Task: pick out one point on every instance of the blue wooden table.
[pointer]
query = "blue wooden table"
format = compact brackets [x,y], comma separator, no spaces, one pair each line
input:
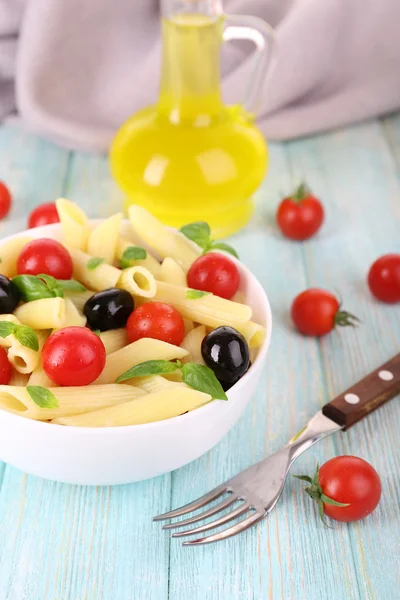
[62,542]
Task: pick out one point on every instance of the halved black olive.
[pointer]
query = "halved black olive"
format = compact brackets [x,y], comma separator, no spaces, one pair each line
[9,295]
[226,352]
[108,309]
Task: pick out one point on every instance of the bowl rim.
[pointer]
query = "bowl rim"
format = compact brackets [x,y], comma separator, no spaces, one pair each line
[184,418]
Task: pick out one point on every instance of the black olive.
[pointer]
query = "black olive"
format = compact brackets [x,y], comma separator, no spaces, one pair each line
[108,309]
[226,352]
[9,296]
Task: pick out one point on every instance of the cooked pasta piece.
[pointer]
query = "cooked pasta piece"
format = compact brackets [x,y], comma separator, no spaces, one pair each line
[240,296]
[154,383]
[71,400]
[253,333]
[74,223]
[114,339]
[189,325]
[103,239]
[150,262]
[40,377]
[47,313]
[140,351]
[24,359]
[165,241]
[73,317]
[157,406]
[9,252]
[208,310]
[138,281]
[100,278]
[79,298]
[192,343]
[18,378]
[172,272]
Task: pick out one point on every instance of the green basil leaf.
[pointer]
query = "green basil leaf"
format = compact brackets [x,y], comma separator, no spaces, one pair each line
[52,284]
[125,264]
[32,288]
[42,396]
[97,332]
[6,328]
[27,337]
[224,247]
[203,379]
[94,262]
[71,285]
[194,294]
[134,253]
[199,232]
[147,368]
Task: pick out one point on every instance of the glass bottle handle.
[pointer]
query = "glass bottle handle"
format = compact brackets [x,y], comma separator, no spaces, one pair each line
[254,29]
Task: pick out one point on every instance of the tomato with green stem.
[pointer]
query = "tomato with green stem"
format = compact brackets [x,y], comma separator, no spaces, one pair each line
[316,312]
[384,278]
[300,215]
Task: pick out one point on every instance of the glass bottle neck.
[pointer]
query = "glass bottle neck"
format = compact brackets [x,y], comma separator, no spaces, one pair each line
[190,78]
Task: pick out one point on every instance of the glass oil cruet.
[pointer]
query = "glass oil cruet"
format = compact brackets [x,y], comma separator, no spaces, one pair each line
[190,157]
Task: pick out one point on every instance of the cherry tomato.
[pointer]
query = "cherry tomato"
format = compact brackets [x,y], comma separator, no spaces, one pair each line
[44,214]
[215,273]
[317,312]
[5,200]
[301,215]
[158,321]
[45,256]
[349,481]
[5,368]
[73,356]
[384,278]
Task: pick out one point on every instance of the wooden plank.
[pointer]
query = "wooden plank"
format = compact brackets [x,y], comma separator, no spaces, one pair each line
[288,555]
[354,172]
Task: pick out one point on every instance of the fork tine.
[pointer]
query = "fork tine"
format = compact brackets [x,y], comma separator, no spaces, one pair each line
[193,505]
[203,515]
[240,510]
[227,533]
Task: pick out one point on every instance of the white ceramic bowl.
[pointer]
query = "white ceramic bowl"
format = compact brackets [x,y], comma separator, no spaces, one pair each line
[116,455]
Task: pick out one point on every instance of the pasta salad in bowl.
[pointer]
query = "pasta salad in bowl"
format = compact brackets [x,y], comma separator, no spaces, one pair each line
[127,349]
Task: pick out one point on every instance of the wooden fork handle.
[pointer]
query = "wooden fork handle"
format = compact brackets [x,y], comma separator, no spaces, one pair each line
[365,396]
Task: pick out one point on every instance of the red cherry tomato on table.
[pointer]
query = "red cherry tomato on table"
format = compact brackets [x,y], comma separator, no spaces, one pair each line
[44,214]
[301,215]
[158,321]
[5,368]
[45,256]
[5,200]
[384,278]
[73,356]
[215,273]
[316,312]
[347,480]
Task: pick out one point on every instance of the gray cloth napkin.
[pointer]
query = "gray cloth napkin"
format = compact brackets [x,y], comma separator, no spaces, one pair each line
[74,70]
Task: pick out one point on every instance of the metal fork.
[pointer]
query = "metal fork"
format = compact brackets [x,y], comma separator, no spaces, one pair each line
[259,487]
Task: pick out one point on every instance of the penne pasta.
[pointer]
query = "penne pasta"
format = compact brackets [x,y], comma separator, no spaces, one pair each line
[103,239]
[73,317]
[24,359]
[9,252]
[189,325]
[253,333]
[39,377]
[74,223]
[140,351]
[100,278]
[166,403]
[71,400]
[154,383]
[209,310]
[192,343]
[114,339]
[150,262]
[138,281]
[48,313]
[165,241]
[172,272]
[17,378]
[79,298]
